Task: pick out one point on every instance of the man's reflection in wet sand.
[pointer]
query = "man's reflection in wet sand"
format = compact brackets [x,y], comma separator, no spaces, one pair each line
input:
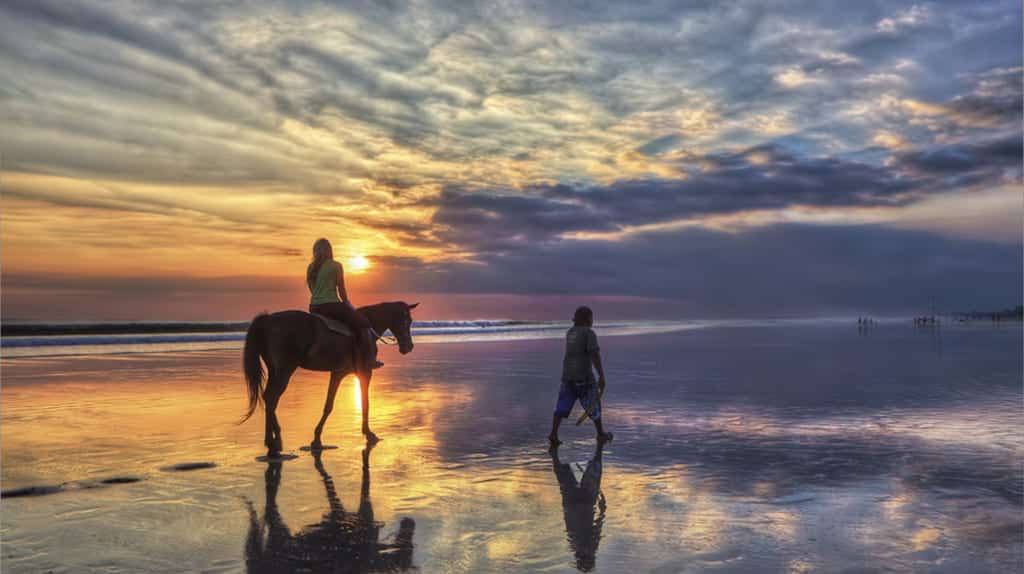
[341,542]
[580,500]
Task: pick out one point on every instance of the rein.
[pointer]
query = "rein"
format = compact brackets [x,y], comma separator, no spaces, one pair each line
[386,339]
[380,337]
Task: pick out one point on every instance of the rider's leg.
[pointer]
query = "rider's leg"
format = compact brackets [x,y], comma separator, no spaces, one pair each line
[366,340]
[370,342]
[365,347]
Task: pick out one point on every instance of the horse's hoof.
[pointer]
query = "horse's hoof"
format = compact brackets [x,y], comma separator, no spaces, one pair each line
[372,438]
[316,446]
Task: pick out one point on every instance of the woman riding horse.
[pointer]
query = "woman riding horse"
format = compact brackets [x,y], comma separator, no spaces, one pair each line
[288,340]
[325,278]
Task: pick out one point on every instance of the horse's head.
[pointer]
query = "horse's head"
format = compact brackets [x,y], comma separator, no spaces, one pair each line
[401,326]
[395,317]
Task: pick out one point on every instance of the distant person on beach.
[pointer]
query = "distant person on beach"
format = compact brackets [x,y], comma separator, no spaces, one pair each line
[581,350]
[325,278]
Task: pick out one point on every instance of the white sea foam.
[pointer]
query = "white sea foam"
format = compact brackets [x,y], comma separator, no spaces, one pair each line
[117,338]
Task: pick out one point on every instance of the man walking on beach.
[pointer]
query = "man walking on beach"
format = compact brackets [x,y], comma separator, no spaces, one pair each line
[581,350]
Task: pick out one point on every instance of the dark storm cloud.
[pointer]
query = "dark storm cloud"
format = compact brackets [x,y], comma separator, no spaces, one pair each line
[761,178]
[996,100]
[781,270]
[972,158]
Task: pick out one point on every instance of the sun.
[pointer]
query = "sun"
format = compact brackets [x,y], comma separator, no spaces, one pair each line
[358,264]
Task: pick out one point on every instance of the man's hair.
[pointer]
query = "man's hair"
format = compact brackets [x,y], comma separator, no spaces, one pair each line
[583,316]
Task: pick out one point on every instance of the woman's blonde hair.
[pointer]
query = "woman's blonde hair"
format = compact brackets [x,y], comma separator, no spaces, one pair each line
[322,251]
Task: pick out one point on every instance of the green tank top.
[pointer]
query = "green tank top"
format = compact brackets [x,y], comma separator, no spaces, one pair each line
[324,288]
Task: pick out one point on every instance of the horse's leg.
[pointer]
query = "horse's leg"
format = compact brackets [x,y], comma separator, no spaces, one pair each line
[364,387]
[277,382]
[332,390]
[270,397]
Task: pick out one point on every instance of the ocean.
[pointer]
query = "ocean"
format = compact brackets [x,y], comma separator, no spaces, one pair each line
[98,338]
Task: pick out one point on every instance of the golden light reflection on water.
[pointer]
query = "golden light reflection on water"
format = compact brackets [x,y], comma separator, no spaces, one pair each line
[924,538]
[476,510]
[165,414]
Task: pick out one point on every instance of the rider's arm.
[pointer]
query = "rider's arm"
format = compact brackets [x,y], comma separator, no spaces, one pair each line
[341,283]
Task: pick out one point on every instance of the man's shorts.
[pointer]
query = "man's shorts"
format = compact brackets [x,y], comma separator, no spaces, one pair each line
[582,391]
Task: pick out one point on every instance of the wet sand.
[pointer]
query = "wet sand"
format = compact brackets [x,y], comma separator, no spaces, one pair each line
[745,449]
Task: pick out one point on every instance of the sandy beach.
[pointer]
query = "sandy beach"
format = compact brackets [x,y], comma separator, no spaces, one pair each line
[785,448]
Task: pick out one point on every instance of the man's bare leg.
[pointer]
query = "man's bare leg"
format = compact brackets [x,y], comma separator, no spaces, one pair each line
[556,421]
[602,436]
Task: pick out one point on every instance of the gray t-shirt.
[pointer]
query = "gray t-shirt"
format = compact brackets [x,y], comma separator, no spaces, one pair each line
[580,344]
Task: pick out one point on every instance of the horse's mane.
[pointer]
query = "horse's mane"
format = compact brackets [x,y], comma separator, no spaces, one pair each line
[377,306]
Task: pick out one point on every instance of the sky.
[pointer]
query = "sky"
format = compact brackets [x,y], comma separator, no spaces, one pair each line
[176,160]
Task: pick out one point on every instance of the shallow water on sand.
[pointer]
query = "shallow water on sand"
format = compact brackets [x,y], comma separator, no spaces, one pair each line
[741,449]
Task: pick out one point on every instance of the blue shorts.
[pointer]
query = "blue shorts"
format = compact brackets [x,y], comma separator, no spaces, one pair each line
[582,391]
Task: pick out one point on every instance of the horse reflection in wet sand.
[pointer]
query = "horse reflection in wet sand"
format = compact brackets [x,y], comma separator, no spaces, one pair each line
[288,340]
[341,542]
[580,500]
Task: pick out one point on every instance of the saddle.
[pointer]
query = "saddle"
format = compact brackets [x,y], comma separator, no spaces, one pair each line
[335,325]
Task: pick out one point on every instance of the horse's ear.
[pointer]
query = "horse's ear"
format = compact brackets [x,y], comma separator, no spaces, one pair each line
[413,306]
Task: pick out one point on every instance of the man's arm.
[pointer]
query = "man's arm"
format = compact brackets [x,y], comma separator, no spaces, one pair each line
[595,358]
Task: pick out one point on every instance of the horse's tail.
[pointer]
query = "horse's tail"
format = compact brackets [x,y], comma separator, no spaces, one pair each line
[254,345]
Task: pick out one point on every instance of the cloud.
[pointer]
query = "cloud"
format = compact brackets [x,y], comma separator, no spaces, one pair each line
[568,87]
[995,101]
[795,78]
[753,180]
[443,135]
[778,270]
[977,159]
[782,270]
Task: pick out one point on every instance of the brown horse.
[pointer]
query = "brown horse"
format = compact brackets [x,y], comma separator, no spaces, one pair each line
[287,340]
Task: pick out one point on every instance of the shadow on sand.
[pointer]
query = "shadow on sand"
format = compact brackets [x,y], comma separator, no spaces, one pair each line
[342,541]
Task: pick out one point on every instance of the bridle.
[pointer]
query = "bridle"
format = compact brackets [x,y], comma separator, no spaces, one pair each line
[388,339]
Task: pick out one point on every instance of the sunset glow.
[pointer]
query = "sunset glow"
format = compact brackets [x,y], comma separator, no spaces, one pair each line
[358,264]
[517,150]
[651,286]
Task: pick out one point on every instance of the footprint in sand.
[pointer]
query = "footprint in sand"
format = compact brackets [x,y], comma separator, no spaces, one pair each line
[183,466]
[44,490]
[32,491]
[277,458]
[121,480]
